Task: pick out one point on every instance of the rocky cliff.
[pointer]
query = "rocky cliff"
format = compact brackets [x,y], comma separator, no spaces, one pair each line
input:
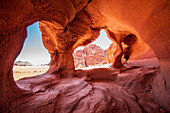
[91,55]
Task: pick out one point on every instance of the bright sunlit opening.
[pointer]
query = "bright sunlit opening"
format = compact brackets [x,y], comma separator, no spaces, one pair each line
[93,54]
[102,41]
[33,50]
[34,58]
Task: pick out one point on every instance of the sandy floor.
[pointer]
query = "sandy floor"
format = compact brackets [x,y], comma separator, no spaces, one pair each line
[28,71]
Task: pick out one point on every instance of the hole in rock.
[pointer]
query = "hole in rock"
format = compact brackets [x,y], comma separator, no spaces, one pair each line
[102,52]
[93,54]
[34,59]
[137,52]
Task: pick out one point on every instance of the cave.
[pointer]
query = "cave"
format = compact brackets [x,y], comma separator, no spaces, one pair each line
[139,28]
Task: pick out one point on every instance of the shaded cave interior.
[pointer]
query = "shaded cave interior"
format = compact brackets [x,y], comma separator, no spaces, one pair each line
[138,85]
[62,66]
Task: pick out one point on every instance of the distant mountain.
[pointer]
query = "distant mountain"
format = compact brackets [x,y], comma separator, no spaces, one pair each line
[45,64]
[22,63]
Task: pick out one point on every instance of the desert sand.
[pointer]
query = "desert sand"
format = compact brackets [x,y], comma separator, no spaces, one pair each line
[28,71]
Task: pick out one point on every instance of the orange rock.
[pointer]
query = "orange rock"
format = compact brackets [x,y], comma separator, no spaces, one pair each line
[68,24]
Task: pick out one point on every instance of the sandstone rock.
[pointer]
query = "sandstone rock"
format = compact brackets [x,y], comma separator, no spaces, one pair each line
[79,59]
[91,55]
[68,24]
[61,42]
[108,91]
[110,53]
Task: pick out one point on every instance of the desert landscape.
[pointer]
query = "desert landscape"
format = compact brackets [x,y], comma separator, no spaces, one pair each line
[28,71]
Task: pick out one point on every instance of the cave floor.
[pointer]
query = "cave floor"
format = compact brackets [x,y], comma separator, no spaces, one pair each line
[100,90]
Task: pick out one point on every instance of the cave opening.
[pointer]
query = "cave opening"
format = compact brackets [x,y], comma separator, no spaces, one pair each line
[93,55]
[34,59]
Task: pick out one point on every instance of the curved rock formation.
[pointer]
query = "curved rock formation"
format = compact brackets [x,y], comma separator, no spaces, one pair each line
[104,94]
[68,24]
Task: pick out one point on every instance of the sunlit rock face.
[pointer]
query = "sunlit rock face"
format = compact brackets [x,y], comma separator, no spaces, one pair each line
[68,24]
[94,55]
[110,55]
[79,59]
[91,55]
[61,42]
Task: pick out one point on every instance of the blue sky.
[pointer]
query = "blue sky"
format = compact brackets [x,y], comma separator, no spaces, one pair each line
[33,49]
[35,52]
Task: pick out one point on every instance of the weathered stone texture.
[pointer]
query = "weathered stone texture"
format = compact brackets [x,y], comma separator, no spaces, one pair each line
[68,24]
[91,55]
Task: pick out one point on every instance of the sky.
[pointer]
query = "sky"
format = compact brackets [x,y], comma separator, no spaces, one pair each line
[34,51]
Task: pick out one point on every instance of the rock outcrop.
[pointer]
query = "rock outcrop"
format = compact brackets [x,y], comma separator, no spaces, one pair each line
[79,59]
[91,55]
[68,24]
[22,63]
[94,55]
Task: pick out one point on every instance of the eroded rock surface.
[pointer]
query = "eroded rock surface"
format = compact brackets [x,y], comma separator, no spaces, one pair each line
[68,24]
[91,55]
[94,55]
[108,91]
